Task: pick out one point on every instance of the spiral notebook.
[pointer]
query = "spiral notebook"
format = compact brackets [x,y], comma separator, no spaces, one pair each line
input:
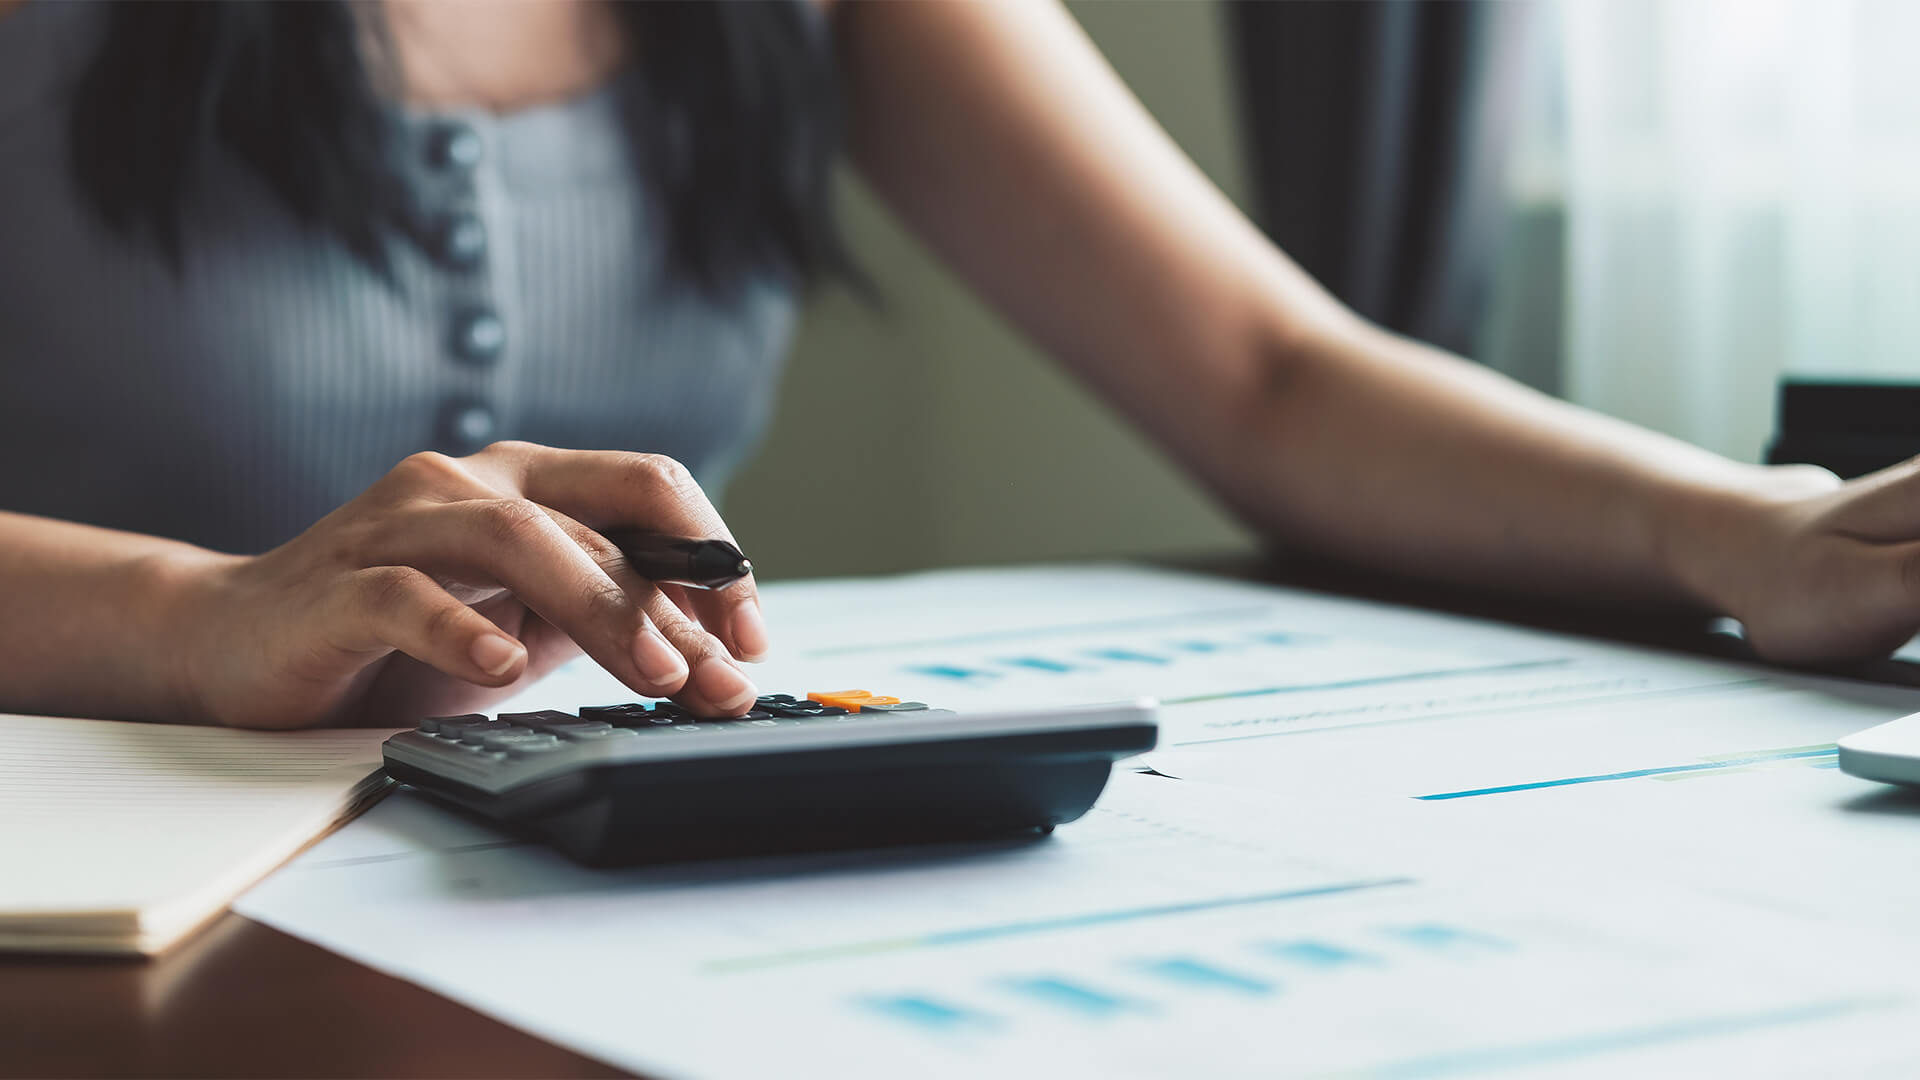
[124,837]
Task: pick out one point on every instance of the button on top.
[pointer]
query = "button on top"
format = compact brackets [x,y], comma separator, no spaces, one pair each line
[450,723]
[466,426]
[455,146]
[462,241]
[478,336]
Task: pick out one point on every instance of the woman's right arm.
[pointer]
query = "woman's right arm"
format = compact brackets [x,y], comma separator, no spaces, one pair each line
[447,584]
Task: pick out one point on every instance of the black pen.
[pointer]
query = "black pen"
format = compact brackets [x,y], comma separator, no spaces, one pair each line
[681,560]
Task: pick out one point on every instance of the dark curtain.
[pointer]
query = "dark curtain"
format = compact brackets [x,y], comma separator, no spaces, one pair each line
[1377,135]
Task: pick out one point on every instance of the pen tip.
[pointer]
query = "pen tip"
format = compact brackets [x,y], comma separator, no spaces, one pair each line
[745,568]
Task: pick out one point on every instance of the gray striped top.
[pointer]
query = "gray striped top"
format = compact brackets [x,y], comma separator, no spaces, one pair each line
[235,404]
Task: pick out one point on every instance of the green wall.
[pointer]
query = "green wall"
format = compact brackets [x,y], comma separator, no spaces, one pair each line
[928,434]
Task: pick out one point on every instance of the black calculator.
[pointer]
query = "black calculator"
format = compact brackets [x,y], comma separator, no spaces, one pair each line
[650,782]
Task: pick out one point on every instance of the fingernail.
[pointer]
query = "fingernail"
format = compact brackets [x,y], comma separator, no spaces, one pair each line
[659,661]
[749,631]
[722,684]
[494,654]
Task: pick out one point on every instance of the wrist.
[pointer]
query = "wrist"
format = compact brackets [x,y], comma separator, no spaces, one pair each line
[1720,541]
[169,611]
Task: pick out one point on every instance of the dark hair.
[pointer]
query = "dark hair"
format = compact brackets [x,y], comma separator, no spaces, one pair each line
[736,118]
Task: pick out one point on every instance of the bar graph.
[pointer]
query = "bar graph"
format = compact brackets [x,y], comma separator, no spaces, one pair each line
[1234,674]
[969,935]
[1136,986]
[1151,650]
[1320,1004]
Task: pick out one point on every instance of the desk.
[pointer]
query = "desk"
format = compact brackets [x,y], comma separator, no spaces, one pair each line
[241,999]
[244,1000]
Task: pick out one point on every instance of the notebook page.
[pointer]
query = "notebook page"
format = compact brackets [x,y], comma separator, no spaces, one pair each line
[104,818]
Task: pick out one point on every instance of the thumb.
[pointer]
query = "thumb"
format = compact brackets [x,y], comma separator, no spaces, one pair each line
[1881,507]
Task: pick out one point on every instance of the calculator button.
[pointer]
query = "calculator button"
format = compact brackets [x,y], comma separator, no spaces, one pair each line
[851,700]
[539,720]
[797,708]
[898,706]
[593,734]
[454,728]
[432,724]
[517,738]
[535,749]
[564,727]
[475,734]
[612,713]
[451,749]
[750,714]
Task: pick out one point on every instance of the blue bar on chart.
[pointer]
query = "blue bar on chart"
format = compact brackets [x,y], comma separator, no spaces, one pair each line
[1041,663]
[1319,954]
[1446,938]
[958,674]
[1073,997]
[928,1014]
[1128,656]
[1202,647]
[1288,637]
[1188,971]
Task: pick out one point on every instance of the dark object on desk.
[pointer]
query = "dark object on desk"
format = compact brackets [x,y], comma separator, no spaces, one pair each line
[1852,428]
[647,782]
[681,560]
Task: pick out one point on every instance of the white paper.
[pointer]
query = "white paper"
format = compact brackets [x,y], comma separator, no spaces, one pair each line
[1227,659]
[1162,935]
[1675,878]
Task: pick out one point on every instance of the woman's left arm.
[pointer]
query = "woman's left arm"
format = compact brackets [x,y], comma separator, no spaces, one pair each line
[997,131]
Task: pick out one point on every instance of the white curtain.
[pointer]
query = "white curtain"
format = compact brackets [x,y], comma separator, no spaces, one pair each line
[1742,186]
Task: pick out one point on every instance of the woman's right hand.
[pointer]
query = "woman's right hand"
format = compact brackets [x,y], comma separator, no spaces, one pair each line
[453,581]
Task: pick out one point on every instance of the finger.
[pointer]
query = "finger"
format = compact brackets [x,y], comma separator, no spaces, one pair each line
[660,659]
[713,686]
[398,607]
[733,613]
[738,624]
[434,477]
[1884,506]
[716,686]
[547,648]
[610,489]
[678,594]
[516,543]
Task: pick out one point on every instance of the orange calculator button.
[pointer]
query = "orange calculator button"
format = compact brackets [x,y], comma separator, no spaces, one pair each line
[850,699]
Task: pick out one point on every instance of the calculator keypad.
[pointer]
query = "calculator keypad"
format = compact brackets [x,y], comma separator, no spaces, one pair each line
[530,734]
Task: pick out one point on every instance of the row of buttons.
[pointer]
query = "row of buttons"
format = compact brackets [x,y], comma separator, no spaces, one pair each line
[533,733]
[477,335]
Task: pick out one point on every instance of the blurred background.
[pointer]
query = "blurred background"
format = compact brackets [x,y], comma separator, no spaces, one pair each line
[1652,207]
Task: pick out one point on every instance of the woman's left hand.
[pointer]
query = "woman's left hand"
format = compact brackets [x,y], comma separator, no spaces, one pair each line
[1817,571]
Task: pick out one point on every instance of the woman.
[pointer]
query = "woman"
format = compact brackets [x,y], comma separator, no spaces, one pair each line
[256,254]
